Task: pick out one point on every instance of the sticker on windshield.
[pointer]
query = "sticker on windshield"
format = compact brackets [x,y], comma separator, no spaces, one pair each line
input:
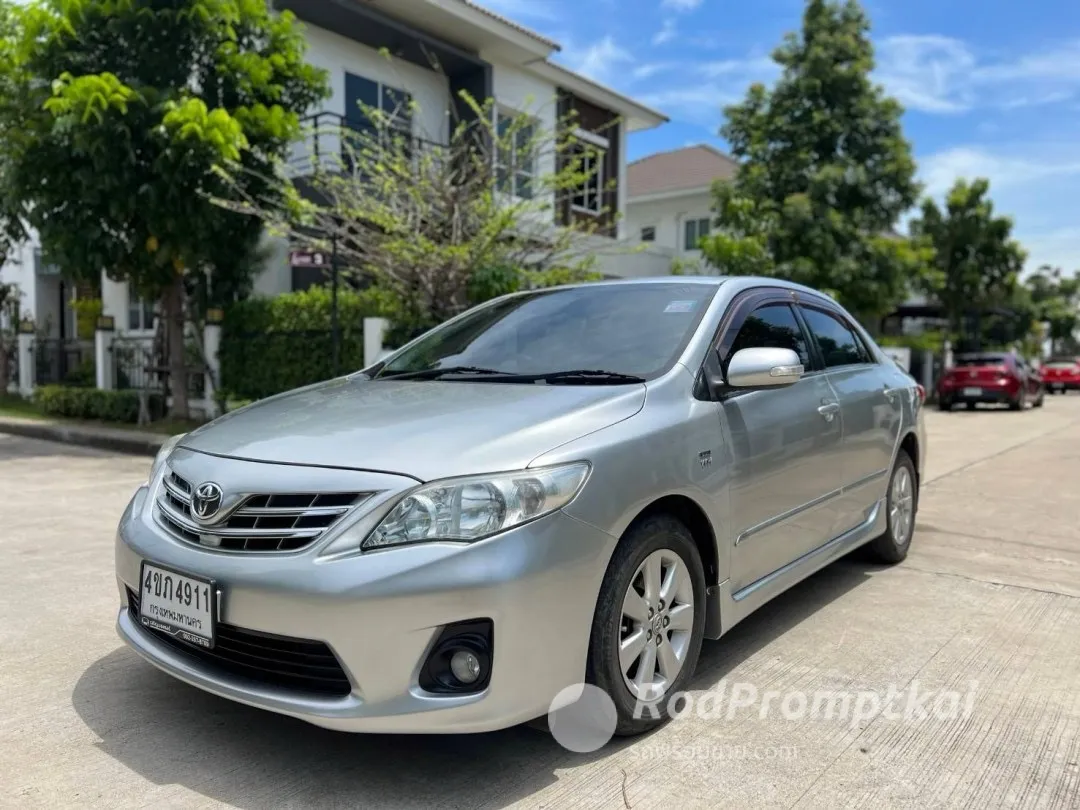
[680,306]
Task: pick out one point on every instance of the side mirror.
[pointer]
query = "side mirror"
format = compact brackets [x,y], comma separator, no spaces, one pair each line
[764,368]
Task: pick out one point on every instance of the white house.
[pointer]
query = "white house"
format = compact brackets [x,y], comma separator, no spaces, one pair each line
[385,52]
[669,197]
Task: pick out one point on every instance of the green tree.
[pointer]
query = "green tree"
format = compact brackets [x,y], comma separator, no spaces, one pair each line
[441,227]
[122,110]
[1056,301]
[824,171]
[976,259]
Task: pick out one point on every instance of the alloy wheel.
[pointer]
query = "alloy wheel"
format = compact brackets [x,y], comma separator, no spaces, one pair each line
[657,625]
[901,506]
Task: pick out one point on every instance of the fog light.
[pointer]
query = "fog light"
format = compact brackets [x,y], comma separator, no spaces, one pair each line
[465,666]
[460,660]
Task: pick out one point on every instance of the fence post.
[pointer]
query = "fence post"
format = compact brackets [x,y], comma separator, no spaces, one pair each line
[374,329]
[211,346]
[104,361]
[25,348]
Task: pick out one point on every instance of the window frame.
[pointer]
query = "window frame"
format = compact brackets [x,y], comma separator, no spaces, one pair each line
[136,303]
[696,223]
[845,321]
[595,148]
[651,230]
[513,168]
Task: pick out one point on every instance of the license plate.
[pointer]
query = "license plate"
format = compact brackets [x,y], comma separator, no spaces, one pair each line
[972,392]
[178,604]
[1059,386]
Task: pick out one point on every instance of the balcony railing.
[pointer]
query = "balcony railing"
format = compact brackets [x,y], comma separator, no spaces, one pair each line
[331,140]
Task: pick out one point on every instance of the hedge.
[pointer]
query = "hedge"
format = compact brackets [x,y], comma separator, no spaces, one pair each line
[270,345]
[93,403]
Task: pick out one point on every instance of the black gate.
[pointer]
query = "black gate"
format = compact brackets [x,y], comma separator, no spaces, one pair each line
[64,362]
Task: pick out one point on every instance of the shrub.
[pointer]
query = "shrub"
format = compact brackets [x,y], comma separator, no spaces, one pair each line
[93,403]
[270,345]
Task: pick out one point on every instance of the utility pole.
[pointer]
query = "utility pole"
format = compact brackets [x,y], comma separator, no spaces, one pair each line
[334,326]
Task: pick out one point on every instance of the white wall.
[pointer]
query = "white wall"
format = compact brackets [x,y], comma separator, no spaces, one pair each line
[340,55]
[19,269]
[668,217]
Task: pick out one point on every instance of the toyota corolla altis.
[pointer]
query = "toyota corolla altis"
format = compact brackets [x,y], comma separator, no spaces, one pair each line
[560,486]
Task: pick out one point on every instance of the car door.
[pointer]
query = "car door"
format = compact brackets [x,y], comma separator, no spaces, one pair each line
[785,448]
[870,395]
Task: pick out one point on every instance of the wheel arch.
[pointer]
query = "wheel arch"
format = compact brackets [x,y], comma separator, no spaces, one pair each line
[694,517]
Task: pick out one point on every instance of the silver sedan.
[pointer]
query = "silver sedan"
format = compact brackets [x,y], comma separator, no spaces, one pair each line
[569,485]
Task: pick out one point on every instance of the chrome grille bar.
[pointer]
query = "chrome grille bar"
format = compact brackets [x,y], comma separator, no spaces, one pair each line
[258,523]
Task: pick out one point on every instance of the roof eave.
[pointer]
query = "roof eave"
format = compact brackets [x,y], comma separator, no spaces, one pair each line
[658,196]
[637,116]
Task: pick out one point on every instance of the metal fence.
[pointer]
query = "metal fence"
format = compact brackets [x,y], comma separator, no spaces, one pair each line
[59,361]
[137,367]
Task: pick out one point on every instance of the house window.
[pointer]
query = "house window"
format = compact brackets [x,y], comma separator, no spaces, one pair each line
[648,234]
[588,155]
[515,157]
[696,230]
[395,106]
[141,314]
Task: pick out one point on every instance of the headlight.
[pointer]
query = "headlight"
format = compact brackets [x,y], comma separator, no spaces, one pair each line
[167,447]
[470,509]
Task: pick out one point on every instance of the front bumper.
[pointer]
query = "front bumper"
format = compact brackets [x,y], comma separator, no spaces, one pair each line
[380,613]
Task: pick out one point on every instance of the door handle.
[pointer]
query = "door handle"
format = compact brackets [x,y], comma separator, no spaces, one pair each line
[829,410]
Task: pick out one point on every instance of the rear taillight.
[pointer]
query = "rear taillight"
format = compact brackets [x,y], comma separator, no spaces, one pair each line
[922,393]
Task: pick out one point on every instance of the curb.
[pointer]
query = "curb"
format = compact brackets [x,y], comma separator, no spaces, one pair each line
[119,441]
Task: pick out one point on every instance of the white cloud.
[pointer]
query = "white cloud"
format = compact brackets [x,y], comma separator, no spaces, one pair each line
[939,171]
[600,60]
[939,74]
[681,5]
[710,86]
[666,33]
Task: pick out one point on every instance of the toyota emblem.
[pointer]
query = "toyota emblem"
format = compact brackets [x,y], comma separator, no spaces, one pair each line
[207,500]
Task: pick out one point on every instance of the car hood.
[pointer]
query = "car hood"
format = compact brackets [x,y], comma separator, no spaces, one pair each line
[424,429]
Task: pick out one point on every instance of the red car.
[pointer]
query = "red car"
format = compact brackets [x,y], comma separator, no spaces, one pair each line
[993,378]
[1061,374]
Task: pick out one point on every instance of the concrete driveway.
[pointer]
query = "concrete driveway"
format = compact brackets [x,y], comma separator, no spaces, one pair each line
[988,595]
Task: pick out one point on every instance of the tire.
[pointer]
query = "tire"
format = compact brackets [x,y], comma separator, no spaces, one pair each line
[944,405]
[1020,402]
[892,546]
[659,536]
[970,405]
[1038,403]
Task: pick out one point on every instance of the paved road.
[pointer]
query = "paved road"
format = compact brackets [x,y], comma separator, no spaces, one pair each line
[990,593]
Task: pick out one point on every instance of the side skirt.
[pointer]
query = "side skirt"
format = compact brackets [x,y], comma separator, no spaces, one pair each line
[724,609]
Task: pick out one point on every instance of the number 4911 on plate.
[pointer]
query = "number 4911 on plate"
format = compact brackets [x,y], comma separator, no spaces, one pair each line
[181,605]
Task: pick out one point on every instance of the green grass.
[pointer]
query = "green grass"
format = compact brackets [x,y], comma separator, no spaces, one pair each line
[20,408]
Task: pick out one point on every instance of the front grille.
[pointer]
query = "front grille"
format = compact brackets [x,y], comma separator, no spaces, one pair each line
[297,664]
[284,521]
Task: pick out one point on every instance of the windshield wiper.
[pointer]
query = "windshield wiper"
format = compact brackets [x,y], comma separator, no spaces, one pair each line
[590,376]
[435,373]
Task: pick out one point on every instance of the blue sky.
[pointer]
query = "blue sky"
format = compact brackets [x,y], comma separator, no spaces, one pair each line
[991,87]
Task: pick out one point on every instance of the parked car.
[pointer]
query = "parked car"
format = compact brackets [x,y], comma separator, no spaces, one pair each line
[561,485]
[1061,374]
[990,377]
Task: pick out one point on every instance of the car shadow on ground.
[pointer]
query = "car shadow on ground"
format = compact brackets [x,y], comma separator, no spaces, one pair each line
[171,733]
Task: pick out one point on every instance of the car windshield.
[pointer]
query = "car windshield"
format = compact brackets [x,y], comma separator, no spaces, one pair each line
[981,360]
[637,330]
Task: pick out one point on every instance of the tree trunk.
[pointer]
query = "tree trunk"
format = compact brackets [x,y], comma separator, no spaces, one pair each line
[172,310]
[5,367]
